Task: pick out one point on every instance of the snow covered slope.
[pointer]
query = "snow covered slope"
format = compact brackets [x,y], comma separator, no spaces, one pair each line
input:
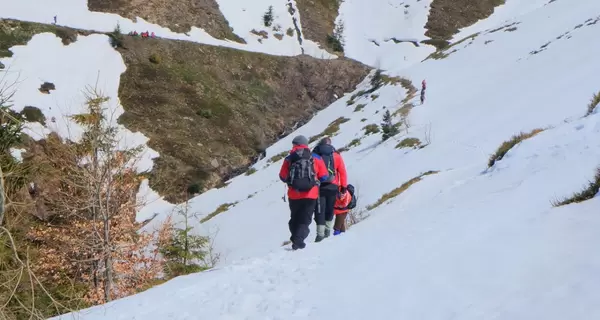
[469,242]
[75,14]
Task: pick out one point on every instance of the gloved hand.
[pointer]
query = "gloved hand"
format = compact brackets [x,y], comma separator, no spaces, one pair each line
[343,190]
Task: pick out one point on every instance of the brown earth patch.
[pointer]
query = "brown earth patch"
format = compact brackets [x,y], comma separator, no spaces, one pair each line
[177,15]
[446,17]
[209,111]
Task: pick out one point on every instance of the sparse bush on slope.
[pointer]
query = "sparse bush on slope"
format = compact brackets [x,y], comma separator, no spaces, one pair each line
[331,130]
[278,156]
[593,103]
[509,144]
[350,145]
[587,193]
[396,192]
[222,208]
[371,129]
[409,143]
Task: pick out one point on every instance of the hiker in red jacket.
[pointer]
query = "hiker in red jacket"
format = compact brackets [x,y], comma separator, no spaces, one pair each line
[328,191]
[302,172]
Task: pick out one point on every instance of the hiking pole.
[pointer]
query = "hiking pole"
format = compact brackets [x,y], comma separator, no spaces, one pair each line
[284,193]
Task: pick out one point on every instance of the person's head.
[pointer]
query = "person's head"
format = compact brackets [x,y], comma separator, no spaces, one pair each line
[300,140]
[326,140]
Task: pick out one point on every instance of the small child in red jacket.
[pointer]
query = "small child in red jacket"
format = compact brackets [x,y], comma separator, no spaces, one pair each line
[341,212]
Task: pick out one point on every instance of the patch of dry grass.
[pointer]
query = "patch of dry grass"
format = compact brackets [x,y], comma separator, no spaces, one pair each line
[331,130]
[278,156]
[350,145]
[396,192]
[509,144]
[409,143]
[587,193]
[222,208]
[359,107]
[371,129]
[593,103]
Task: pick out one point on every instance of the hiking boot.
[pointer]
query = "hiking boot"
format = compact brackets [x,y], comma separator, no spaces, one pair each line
[320,233]
[298,246]
[328,227]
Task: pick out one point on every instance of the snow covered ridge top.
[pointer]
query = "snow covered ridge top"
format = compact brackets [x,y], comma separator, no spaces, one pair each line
[75,14]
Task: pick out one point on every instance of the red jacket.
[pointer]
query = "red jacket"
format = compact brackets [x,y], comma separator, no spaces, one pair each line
[340,170]
[320,169]
[341,203]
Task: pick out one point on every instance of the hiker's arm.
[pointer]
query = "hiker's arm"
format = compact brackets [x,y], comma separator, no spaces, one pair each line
[342,172]
[321,170]
[283,173]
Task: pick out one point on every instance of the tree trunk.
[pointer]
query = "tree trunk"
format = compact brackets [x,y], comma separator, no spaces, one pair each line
[107,261]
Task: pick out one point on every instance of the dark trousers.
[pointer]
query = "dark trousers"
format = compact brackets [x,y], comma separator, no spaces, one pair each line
[340,222]
[300,218]
[324,209]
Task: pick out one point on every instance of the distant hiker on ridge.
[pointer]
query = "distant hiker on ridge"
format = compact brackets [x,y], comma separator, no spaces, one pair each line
[423,87]
[328,191]
[302,172]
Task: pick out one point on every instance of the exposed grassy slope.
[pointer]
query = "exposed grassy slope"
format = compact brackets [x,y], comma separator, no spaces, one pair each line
[318,18]
[210,110]
[446,17]
[177,15]
[14,33]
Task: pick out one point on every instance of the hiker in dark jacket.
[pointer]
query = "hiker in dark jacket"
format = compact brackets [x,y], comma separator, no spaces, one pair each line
[303,187]
[328,191]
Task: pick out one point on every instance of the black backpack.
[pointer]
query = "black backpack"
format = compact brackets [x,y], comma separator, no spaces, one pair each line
[302,176]
[352,203]
[326,152]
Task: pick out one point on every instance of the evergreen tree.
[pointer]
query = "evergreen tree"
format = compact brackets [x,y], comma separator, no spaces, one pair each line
[184,251]
[268,17]
[388,128]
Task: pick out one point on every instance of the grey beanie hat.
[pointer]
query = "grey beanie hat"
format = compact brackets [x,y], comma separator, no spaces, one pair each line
[300,140]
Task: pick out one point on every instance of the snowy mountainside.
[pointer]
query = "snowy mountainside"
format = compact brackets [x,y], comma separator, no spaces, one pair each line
[75,14]
[469,241]
[497,106]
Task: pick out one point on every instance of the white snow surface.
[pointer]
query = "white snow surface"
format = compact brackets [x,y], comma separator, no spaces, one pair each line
[75,14]
[466,243]
[369,27]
